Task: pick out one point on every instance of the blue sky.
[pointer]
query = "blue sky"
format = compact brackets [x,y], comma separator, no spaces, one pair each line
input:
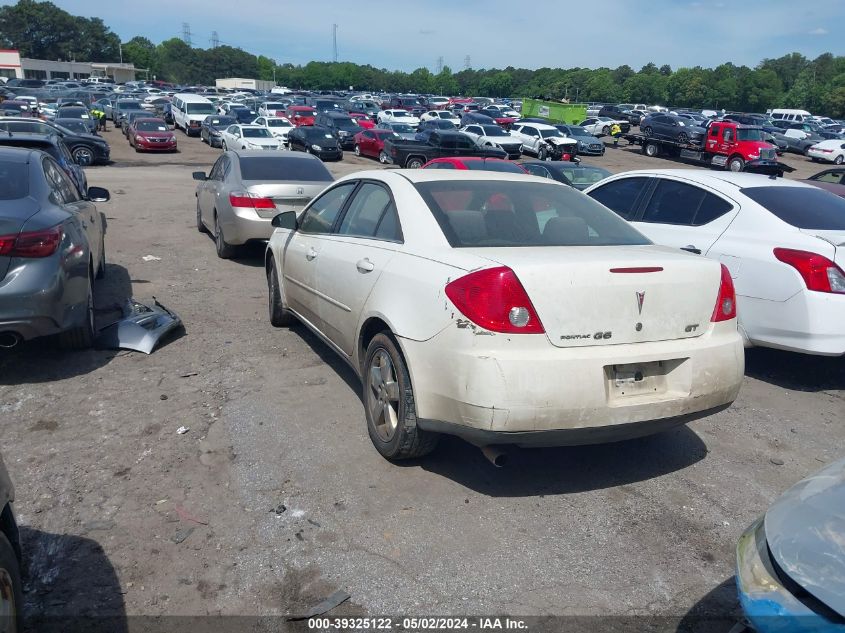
[495,33]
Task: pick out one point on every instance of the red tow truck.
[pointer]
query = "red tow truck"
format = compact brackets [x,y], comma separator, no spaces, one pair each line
[727,144]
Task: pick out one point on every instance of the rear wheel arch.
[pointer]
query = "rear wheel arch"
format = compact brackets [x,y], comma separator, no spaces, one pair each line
[372,326]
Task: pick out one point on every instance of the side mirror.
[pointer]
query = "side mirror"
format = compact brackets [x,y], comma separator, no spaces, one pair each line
[285,220]
[98,194]
[199,175]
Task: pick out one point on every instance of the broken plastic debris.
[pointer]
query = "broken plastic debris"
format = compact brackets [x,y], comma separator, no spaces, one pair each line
[141,327]
[151,258]
[337,598]
[182,430]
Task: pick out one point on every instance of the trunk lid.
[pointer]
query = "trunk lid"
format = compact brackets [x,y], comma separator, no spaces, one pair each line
[582,303]
[288,196]
[835,238]
[13,216]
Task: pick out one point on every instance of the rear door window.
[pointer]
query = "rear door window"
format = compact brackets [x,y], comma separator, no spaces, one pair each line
[802,207]
[366,212]
[621,195]
[679,203]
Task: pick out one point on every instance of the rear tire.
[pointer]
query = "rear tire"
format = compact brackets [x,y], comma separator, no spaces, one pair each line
[414,163]
[81,337]
[224,249]
[11,587]
[648,132]
[279,315]
[200,226]
[101,266]
[605,130]
[382,158]
[650,149]
[683,138]
[389,403]
[839,160]
[223,146]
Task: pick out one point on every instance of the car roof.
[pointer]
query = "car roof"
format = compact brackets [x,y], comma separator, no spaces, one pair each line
[429,175]
[539,126]
[718,179]
[15,154]
[256,153]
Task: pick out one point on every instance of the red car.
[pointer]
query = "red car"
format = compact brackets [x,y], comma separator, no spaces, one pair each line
[475,163]
[371,143]
[151,135]
[301,115]
[363,120]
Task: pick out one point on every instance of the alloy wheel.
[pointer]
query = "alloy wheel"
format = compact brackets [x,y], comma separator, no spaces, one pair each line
[383,395]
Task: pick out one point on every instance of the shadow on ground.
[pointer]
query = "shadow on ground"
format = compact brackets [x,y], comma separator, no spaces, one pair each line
[564,470]
[789,370]
[717,612]
[70,585]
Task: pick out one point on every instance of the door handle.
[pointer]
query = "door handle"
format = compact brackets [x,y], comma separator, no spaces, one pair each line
[365,265]
[689,248]
[311,254]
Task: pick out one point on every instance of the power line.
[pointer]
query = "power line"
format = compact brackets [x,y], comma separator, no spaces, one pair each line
[186,33]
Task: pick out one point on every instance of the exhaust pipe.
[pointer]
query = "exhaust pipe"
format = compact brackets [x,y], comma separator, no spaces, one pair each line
[8,340]
[494,455]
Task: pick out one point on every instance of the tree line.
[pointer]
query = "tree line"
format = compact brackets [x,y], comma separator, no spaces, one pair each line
[44,31]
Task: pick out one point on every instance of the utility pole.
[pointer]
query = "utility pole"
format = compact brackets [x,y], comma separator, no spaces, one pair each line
[215,39]
[120,47]
[467,62]
[440,64]
[334,42]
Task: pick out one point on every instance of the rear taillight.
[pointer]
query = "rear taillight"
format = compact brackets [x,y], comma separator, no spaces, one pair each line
[250,200]
[817,271]
[495,299]
[725,309]
[31,243]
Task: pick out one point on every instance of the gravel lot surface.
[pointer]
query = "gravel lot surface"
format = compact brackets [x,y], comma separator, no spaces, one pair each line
[275,498]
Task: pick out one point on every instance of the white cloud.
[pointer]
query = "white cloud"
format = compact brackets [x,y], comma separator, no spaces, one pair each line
[819,31]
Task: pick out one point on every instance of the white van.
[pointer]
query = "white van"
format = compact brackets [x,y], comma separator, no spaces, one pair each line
[189,111]
[786,114]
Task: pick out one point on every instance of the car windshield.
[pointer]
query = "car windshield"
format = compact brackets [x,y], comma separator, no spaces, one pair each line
[128,105]
[73,113]
[749,134]
[199,108]
[14,180]
[383,134]
[494,130]
[256,132]
[802,207]
[274,106]
[278,123]
[550,133]
[346,124]
[221,121]
[577,130]
[151,126]
[402,128]
[74,126]
[582,177]
[489,213]
[283,168]
[494,165]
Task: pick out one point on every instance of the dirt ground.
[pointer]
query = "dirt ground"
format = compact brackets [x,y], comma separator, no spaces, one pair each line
[275,497]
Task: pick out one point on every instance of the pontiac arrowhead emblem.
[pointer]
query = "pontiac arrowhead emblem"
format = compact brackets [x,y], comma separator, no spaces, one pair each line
[640,299]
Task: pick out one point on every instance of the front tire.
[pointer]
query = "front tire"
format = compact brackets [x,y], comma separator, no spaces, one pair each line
[382,158]
[389,403]
[81,154]
[200,226]
[279,315]
[357,151]
[650,149]
[11,587]
[223,146]
[736,164]
[414,163]
[605,130]
[542,154]
[683,138]
[648,132]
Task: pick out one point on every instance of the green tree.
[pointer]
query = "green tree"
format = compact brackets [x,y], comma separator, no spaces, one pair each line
[141,52]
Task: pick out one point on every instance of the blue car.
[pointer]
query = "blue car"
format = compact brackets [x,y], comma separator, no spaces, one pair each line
[791,562]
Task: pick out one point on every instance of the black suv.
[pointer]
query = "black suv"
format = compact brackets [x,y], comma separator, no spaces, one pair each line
[615,112]
[342,126]
[86,149]
[55,147]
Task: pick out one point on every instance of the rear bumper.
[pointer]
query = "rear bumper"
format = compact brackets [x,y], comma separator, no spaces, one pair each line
[38,298]
[523,390]
[244,225]
[808,322]
[825,156]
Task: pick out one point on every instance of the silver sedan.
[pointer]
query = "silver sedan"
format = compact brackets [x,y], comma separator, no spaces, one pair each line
[246,189]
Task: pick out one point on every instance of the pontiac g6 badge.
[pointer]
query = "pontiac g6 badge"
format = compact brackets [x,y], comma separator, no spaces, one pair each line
[640,299]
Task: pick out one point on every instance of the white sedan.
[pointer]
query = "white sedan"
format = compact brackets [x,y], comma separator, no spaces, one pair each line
[600,125]
[397,116]
[248,137]
[278,126]
[831,151]
[434,115]
[272,109]
[782,240]
[412,277]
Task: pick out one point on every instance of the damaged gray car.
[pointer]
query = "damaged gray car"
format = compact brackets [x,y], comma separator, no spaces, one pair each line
[52,248]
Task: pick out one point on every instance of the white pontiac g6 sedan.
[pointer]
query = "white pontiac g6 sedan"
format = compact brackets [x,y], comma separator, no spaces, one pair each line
[505,309]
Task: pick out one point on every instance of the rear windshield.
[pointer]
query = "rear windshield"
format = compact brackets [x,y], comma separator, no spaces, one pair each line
[14,180]
[802,207]
[476,213]
[494,165]
[284,168]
